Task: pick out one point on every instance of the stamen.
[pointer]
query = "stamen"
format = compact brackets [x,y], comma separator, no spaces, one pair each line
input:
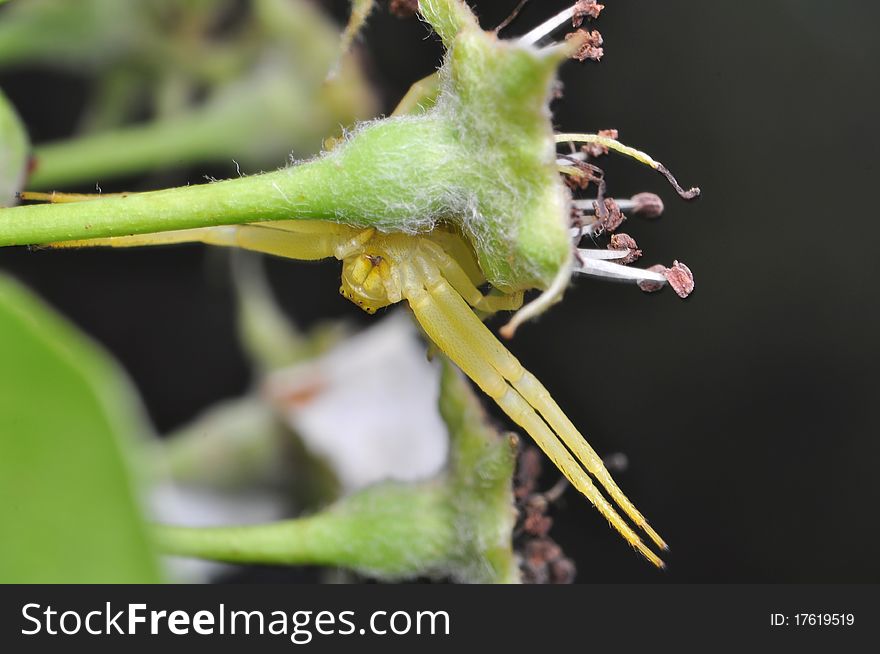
[585,9]
[592,230]
[625,243]
[612,217]
[679,277]
[404,8]
[648,205]
[547,27]
[616,272]
[589,208]
[604,255]
[595,150]
[650,286]
[589,45]
[628,151]
[580,174]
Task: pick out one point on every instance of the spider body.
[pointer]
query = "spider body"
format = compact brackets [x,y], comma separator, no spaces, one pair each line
[423,209]
[437,275]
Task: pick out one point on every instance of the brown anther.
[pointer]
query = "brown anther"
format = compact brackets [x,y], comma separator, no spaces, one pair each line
[544,563]
[648,205]
[542,551]
[536,521]
[596,149]
[576,181]
[590,47]
[404,8]
[609,214]
[585,9]
[625,242]
[527,473]
[587,173]
[562,571]
[680,278]
[541,559]
[649,285]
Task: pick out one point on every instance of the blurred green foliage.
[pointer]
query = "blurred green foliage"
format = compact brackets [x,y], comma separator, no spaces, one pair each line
[14,149]
[179,83]
[69,510]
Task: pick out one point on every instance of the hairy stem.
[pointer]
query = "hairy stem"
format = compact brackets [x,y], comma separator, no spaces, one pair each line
[352,184]
[391,530]
[457,525]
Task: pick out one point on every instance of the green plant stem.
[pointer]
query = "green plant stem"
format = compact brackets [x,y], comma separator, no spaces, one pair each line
[130,151]
[458,525]
[481,467]
[483,158]
[349,186]
[391,530]
[258,119]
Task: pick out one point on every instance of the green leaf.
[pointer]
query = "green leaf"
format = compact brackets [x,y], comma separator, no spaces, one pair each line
[14,147]
[68,506]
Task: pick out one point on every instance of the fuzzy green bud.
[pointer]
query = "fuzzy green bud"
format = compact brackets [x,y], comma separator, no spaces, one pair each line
[483,159]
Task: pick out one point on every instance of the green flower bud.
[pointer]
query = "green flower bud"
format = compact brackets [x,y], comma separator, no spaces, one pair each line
[482,159]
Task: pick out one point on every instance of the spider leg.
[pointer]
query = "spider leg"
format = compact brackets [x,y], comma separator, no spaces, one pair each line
[456,247]
[451,324]
[56,197]
[539,397]
[535,393]
[310,240]
[461,282]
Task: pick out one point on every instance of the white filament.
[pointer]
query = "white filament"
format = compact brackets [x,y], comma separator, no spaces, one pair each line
[547,27]
[614,271]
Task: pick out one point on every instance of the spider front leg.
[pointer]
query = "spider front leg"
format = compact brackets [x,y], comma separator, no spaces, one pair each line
[462,283]
[452,325]
[307,240]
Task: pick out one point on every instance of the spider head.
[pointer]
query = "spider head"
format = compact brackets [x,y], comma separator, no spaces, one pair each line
[365,280]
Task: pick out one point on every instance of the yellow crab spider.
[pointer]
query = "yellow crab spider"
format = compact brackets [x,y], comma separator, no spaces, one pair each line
[426,209]
[380,269]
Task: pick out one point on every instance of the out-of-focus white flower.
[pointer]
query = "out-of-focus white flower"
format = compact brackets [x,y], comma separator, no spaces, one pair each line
[369,406]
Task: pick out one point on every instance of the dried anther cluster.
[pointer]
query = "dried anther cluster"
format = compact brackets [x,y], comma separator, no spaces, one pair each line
[542,561]
[585,9]
[591,40]
[594,217]
[404,8]
[591,45]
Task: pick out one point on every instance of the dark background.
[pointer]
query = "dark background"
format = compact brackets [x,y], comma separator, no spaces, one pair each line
[745,411]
